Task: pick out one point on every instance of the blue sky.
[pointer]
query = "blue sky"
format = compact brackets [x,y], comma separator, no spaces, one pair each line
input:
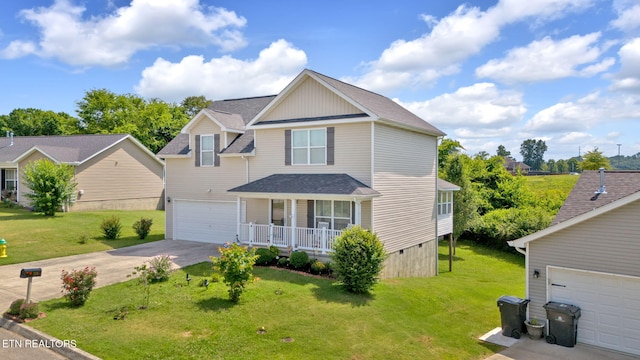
[485,72]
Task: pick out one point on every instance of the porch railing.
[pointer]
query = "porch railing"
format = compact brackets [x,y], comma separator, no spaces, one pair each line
[308,239]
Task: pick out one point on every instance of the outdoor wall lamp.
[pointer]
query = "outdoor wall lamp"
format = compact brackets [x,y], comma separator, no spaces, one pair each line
[168,198]
[536,273]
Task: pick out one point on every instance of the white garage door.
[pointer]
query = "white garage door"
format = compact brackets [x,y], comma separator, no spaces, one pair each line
[610,306]
[206,221]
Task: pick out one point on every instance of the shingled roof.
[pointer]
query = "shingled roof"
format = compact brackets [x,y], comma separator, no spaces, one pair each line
[234,114]
[64,149]
[322,184]
[583,197]
[385,108]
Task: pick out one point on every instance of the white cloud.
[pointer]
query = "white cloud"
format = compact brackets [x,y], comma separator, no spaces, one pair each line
[547,59]
[480,106]
[453,39]
[584,113]
[113,39]
[628,79]
[224,77]
[628,15]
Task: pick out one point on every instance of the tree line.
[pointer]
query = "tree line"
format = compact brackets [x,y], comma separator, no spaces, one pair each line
[152,121]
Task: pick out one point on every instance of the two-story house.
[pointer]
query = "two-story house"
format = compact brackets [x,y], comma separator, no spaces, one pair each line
[294,169]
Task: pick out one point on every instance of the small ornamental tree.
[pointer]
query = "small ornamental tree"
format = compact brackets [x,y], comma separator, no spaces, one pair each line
[236,266]
[77,284]
[357,259]
[51,184]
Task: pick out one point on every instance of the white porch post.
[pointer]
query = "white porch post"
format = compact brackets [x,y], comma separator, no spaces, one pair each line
[358,214]
[238,216]
[294,222]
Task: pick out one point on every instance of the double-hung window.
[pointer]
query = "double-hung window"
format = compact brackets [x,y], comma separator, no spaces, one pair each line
[206,150]
[10,179]
[309,147]
[336,213]
[445,202]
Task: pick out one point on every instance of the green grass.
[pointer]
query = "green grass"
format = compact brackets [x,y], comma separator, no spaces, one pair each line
[31,236]
[551,191]
[417,318]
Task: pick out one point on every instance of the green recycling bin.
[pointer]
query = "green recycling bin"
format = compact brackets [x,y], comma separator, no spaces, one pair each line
[563,323]
[513,312]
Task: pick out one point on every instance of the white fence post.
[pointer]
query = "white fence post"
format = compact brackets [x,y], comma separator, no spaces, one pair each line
[252,234]
[270,238]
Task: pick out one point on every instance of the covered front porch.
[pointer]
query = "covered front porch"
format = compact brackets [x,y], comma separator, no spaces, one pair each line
[301,211]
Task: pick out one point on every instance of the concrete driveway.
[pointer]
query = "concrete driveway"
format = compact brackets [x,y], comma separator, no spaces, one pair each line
[112,266]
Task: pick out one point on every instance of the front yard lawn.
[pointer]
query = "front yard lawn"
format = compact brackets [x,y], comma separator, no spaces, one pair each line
[303,317]
[31,236]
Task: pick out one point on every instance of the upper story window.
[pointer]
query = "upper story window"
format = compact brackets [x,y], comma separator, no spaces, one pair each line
[445,202]
[206,150]
[309,147]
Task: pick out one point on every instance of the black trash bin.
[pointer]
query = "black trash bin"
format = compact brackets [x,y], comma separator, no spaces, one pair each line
[513,312]
[563,323]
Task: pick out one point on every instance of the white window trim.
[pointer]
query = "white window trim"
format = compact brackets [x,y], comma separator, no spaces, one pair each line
[332,217]
[445,206]
[212,151]
[13,180]
[308,147]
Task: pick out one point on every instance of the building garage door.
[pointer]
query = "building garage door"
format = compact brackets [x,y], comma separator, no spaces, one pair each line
[206,221]
[610,306]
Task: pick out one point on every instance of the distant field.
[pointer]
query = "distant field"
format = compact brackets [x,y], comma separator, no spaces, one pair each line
[551,190]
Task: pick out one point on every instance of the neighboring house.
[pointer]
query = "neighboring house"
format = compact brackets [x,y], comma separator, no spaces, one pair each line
[296,168]
[590,257]
[513,166]
[112,171]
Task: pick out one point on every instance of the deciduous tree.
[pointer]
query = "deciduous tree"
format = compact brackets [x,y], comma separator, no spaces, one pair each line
[532,152]
[594,160]
[51,184]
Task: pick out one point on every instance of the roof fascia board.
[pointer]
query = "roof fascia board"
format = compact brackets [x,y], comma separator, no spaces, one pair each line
[576,220]
[175,156]
[31,151]
[231,155]
[293,84]
[406,127]
[125,137]
[311,123]
[270,195]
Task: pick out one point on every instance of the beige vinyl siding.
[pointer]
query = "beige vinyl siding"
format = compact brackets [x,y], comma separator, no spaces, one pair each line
[206,183]
[22,187]
[352,154]
[122,174]
[608,243]
[405,175]
[310,99]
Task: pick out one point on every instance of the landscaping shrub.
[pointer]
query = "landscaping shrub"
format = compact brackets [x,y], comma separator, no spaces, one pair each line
[29,311]
[111,227]
[265,257]
[142,227]
[283,262]
[159,268]
[497,227]
[274,249]
[318,267]
[14,308]
[299,260]
[358,259]
[77,284]
[236,265]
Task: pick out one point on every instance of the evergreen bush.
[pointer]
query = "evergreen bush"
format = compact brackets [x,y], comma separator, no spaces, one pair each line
[265,257]
[358,259]
[142,227]
[299,260]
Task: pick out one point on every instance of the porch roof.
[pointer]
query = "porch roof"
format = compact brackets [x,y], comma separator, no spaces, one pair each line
[305,185]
